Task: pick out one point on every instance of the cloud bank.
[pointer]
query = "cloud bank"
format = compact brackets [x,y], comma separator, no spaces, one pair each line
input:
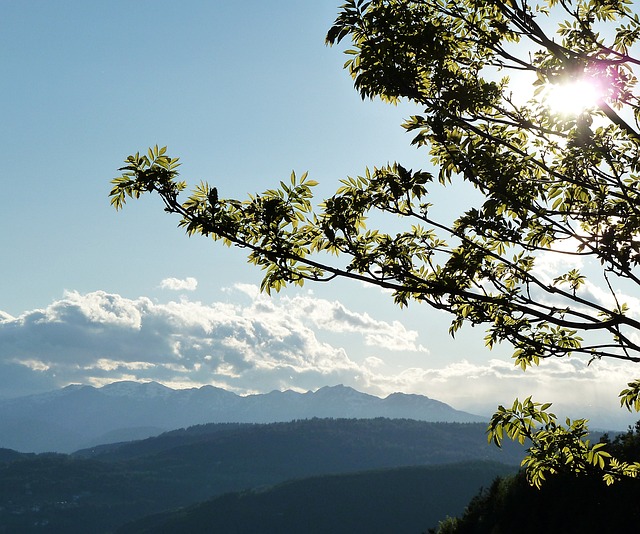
[258,344]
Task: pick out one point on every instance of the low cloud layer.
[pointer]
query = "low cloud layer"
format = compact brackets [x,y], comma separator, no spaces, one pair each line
[259,344]
[575,388]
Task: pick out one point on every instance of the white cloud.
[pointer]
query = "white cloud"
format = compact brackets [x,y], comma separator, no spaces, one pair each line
[35,365]
[372,362]
[175,284]
[549,264]
[106,364]
[251,290]
[575,388]
[605,298]
[334,317]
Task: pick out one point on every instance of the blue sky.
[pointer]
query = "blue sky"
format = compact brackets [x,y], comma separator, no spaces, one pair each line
[243,93]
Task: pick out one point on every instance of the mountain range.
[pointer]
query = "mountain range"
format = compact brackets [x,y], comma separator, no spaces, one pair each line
[81,416]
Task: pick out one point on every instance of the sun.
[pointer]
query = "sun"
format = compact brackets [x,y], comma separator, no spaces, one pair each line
[574,97]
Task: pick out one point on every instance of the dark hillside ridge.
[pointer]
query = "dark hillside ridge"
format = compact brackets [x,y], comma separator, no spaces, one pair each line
[9,455]
[352,444]
[405,500]
[78,417]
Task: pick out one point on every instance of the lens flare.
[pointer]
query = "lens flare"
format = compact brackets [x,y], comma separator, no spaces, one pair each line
[572,98]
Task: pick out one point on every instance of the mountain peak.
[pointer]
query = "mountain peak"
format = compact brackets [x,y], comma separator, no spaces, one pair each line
[129,388]
[339,389]
[400,395]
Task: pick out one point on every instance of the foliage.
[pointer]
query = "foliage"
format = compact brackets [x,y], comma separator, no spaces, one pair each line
[558,190]
[569,502]
[552,447]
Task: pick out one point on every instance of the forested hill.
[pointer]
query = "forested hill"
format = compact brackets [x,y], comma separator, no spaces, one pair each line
[406,500]
[349,443]
[100,489]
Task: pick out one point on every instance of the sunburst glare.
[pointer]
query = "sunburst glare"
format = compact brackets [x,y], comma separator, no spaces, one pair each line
[572,98]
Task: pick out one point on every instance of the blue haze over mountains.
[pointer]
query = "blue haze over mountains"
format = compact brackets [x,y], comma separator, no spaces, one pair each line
[77,417]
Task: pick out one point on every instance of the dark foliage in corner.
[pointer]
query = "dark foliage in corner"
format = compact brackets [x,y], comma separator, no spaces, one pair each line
[568,503]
